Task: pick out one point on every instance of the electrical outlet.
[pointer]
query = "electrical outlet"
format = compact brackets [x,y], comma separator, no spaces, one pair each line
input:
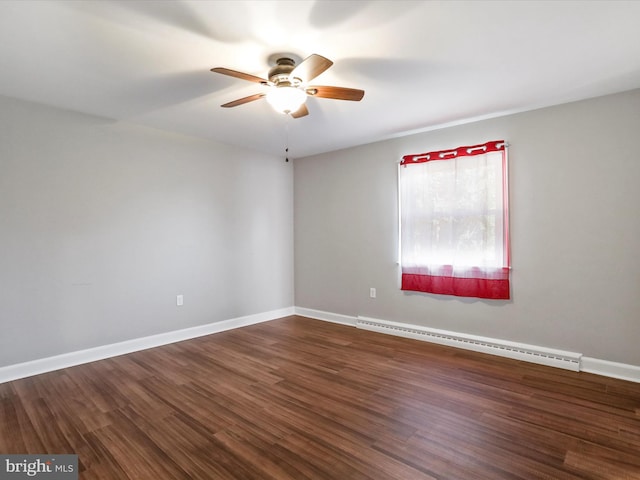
[372,292]
[179,300]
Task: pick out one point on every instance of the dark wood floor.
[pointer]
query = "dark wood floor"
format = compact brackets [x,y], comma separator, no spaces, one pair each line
[304,399]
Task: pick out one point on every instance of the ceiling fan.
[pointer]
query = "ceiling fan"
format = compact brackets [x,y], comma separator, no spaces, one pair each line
[288,84]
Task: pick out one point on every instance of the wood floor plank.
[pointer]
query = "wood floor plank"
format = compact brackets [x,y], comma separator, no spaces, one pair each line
[296,399]
[598,468]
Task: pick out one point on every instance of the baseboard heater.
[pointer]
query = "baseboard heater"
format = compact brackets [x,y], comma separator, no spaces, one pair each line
[503,348]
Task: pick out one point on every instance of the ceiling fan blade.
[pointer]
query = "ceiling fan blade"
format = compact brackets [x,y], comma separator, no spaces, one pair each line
[301,112]
[338,93]
[311,67]
[241,75]
[242,101]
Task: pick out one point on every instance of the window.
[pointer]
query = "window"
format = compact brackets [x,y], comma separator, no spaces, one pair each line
[454,228]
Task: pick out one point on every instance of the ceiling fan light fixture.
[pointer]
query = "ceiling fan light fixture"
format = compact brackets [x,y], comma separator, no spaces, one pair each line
[286,99]
[288,84]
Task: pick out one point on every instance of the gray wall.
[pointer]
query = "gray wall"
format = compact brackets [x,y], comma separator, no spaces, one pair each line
[575,225]
[102,225]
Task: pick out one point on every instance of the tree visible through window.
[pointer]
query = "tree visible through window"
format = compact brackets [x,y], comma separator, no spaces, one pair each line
[454,231]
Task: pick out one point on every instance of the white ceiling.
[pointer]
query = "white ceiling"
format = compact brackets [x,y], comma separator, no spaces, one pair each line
[423,64]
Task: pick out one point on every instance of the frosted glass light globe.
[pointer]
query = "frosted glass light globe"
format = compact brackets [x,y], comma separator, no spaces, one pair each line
[286,99]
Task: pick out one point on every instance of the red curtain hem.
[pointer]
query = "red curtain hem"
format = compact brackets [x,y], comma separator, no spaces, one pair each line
[493,289]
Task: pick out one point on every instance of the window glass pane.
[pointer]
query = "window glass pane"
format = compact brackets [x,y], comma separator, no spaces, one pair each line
[452,212]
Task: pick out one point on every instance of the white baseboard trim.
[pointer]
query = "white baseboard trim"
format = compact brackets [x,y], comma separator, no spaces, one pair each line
[57,362]
[326,316]
[606,368]
[519,351]
[493,346]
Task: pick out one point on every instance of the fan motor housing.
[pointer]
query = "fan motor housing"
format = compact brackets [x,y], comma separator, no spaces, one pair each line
[279,74]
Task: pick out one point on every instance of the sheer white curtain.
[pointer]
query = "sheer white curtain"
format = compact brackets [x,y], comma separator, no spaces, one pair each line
[454,221]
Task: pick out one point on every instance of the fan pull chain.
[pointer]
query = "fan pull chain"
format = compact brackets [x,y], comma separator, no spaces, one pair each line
[286,142]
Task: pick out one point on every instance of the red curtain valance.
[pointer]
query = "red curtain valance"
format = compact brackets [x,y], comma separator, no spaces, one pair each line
[493,146]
